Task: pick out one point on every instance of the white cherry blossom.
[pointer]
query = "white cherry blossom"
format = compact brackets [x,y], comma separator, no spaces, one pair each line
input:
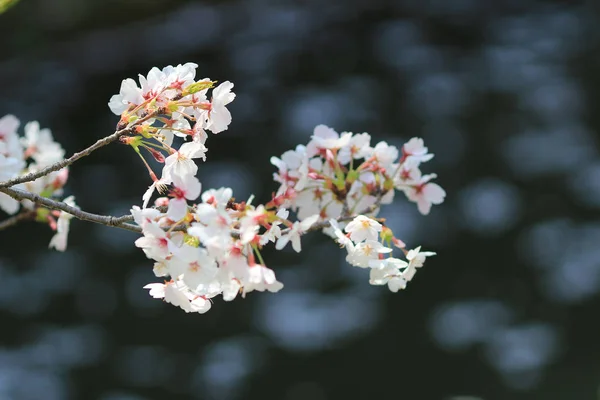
[10,145]
[364,252]
[325,137]
[155,242]
[261,278]
[185,188]
[217,117]
[425,194]
[59,240]
[295,232]
[416,259]
[41,145]
[388,275]
[385,154]
[363,228]
[415,150]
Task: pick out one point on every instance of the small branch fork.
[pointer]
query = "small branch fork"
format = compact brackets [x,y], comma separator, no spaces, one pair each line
[118,222]
[18,194]
[65,163]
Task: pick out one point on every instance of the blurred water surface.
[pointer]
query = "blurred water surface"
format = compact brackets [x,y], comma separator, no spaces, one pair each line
[504,93]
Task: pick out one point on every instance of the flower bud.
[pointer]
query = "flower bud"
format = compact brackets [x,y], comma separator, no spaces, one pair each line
[158,156]
[386,234]
[197,87]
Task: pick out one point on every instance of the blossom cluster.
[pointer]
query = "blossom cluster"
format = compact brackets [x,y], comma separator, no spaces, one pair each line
[337,176]
[206,249]
[173,104]
[365,250]
[205,243]
[27,154]
[213,247]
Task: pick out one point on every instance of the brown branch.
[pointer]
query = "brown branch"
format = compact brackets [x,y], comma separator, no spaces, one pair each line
[15,219]
[118,222]
[64,163]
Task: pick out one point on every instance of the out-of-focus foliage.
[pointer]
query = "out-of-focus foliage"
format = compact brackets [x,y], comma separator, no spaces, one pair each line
[6,4]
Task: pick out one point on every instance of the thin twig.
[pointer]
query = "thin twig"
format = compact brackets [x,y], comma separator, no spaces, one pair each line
[118,222]
[15,219]
[64,163]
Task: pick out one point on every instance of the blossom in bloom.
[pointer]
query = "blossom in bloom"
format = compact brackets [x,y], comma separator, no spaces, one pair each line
[40,144]
[129,94]
[416,259]
[274,232]
[178,294]
[343,240]
[180,164]
[160,269]
[155,242]
[363,228]
[387,275]
[160,185]
[261,278]
[178,125]
[9,168]
[143,216]
[217,117]
[59,240]
[159,85]
[388,262]
[230,285]
[358,147]
[385,154]
[217,197]
[180,76]
[193,265]
[249,225]
[10,145]
[295,232]
[425,194]
[415,151]
[186,188]
[293,168]
[364,252]
[325,137]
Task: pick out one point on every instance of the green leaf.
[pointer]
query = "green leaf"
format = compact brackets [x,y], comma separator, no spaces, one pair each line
[197,86]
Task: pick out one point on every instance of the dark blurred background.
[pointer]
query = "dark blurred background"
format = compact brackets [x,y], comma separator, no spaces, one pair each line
[505,93]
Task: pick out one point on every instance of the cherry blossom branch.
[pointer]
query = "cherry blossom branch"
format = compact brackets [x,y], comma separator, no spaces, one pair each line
[117,222]
[219,252]
[66,162]
[15,219]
